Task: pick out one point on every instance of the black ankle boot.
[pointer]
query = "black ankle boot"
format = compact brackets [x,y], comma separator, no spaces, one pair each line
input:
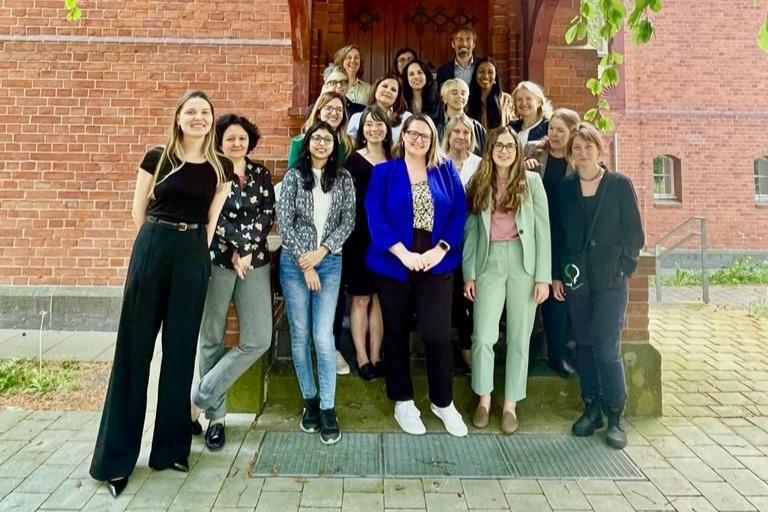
[589,421]
[329,427]
[117,485]
[615,435]
[310,417]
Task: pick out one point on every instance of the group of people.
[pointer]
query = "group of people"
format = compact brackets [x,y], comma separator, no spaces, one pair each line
[455,212]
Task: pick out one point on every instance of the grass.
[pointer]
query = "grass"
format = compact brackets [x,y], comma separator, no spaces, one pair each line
[25,376]
[741,271]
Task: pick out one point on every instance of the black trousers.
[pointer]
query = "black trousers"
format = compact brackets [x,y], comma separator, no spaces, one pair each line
[462,311]
[597,318]
[166,284]
[555,317]
[431,296]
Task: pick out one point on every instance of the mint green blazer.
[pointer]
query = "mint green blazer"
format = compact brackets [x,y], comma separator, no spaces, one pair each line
[532,224]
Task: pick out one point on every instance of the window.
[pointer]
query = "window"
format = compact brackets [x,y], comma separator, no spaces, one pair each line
[666,178]
[761,180]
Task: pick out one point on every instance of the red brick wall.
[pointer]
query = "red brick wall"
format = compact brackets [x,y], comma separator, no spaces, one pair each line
[76,117]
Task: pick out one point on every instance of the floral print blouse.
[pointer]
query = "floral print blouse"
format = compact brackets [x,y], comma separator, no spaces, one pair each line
[246,218]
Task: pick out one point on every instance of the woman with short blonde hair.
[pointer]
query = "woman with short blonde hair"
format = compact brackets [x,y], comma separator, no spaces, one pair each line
[532,110]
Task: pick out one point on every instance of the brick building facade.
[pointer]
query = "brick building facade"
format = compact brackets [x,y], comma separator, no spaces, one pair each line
[80,103]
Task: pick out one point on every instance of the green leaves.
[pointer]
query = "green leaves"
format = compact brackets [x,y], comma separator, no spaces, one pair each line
[642,32]
[73,11]
[762,36]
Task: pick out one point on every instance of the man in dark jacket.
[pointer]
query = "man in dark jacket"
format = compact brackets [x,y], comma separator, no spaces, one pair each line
[463,41]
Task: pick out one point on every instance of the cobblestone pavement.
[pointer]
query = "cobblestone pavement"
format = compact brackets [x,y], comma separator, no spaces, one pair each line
[709,452]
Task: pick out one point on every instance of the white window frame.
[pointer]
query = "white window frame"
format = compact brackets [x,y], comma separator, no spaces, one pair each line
[761,174]
[668,174]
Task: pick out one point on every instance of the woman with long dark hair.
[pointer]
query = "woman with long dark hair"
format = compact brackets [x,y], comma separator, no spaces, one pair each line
[507,262]
[315,214]
[598,237]
[419,89]
[487,101]
[180,190]
[374,142]
[387,94]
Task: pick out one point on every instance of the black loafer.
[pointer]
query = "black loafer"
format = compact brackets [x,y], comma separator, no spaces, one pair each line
[197,428]
[214,436]
[117,486]
[367,372]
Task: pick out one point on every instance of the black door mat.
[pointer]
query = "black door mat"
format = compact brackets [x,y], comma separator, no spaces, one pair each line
[529,456]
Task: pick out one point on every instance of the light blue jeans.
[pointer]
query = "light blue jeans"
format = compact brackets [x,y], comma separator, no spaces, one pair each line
[310,318]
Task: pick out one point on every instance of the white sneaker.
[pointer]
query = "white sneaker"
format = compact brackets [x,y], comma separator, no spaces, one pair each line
[409,418]
[342,368]
[451,418]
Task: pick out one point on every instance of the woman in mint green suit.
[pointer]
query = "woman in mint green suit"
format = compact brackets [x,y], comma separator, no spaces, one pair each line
[506,260]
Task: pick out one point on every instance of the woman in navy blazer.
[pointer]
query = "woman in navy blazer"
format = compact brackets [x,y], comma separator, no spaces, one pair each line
[416,210]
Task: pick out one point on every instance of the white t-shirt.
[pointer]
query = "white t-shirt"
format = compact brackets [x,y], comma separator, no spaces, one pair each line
[322,206]
[523,134]
[468,169]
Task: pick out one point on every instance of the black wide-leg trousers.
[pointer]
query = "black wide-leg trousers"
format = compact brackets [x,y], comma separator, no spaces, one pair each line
[166,284]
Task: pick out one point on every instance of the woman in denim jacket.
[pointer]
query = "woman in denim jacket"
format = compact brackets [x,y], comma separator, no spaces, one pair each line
[315,215]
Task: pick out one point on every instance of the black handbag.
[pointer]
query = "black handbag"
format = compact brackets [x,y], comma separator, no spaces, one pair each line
[575,265]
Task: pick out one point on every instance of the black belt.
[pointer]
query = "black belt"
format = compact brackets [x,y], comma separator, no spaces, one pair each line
[178,226]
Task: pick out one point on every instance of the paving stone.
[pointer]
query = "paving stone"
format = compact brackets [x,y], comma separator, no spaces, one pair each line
[670,446]
[752,434]
[758,465]
[484,494]
[324,492]
[75,420]
[193,502]
[206,480]
[25,430]
[71,453]
[610,503]
[45,479]
[646,457]
[650,427]
[365,502]
[9,448]
[694,470]
[441,485]
[283,484]
[445,502]
[692,504]
[22,501]
[240,492]
[712,426]
[716,457]
[510,486]
[691,436]
[284,501]
[723,497]
[370,485]
[644,496]
[83,346]
[104,502]
[564,494]
[671,483]
[403,493]
[759,502]
[7,485]
[745,482]
[21,464]
[335,509]
[156,493]
[27,346]
[528,503]
[72,494]
[598,487]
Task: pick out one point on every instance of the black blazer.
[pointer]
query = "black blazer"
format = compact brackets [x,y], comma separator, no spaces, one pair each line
[444,73]
[615,244]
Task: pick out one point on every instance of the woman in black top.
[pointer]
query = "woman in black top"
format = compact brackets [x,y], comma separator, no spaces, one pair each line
[550,160]
[240,273]
[179,193]
[374,141]
[419,89]
[598,237]
[487,101]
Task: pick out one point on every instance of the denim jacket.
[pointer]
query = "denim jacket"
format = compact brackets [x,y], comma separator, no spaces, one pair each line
[295,211]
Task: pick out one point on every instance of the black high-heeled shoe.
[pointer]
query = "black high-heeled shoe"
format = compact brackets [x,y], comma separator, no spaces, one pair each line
[181,465]
[117,486]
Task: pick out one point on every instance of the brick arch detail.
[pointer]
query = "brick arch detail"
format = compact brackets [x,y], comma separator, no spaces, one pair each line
[300,12]
[538,32]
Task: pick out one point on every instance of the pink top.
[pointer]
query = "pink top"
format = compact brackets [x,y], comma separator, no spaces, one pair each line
[503,224]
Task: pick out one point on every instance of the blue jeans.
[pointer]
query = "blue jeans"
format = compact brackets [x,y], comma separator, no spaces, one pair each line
[310,317]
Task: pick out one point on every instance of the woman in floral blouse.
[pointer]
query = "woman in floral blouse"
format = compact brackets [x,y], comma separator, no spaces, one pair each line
[240,272]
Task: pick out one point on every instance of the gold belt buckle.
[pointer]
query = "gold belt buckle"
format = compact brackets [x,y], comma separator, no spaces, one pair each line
[183,226]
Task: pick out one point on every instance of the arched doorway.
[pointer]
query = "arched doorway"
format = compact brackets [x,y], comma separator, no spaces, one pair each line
[380,28]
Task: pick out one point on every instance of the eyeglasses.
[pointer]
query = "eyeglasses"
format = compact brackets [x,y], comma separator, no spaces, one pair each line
[337,83]
[414,135]
[321,139]
[510,148]
[333,110]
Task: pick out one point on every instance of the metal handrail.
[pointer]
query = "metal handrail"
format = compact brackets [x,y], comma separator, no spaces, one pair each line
[662,252]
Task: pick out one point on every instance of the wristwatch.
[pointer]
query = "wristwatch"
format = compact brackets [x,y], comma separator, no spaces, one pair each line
[444,245]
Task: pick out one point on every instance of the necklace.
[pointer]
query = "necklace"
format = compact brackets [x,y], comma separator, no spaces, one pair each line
[595,178]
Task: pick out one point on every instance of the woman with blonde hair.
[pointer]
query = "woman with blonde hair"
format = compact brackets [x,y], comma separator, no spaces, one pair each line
[180,190]
[532,110]
[416,207]
[598,235]
[348,57]
[330,108]
[506,262]
[455,94]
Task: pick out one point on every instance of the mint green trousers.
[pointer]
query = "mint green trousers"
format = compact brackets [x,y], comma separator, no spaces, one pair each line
[503,281]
